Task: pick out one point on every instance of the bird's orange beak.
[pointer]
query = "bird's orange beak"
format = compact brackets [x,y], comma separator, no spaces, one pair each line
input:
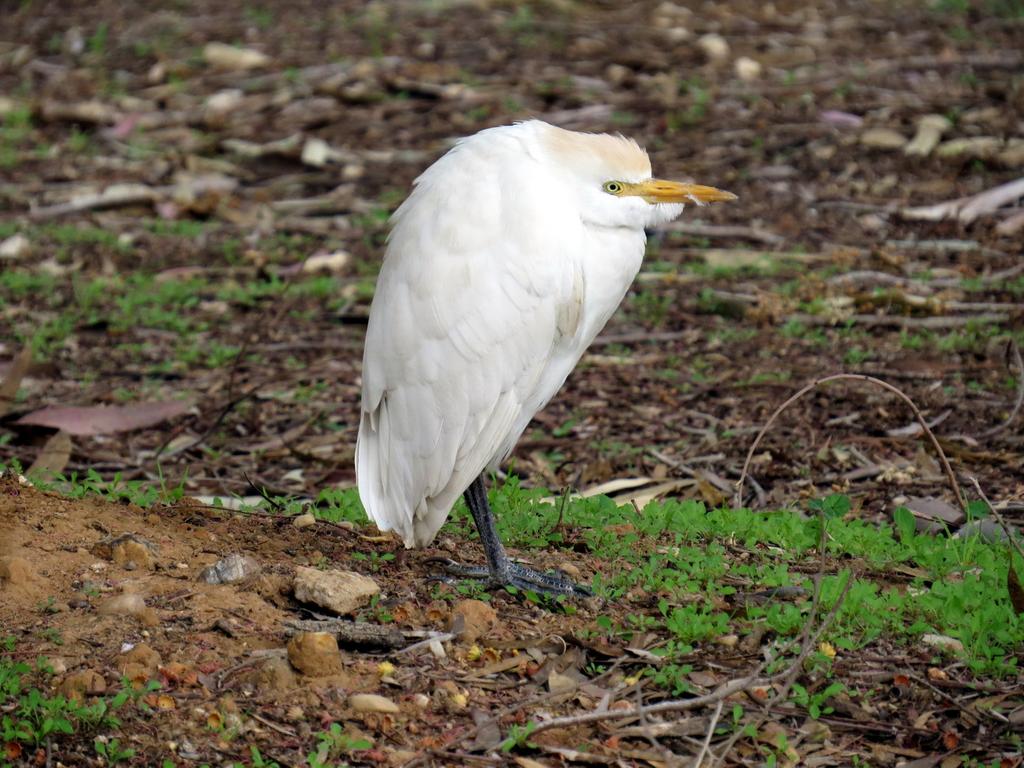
[661,191]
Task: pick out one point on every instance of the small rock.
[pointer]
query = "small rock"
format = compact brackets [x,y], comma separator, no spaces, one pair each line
[420,700]
[943,642]
[371,702]
[342,592]
[988,530]
[728,641]
[223,56]
[81,684]
[304,520]
[933,516]
[471,619]
[747,69]
[156,73]
[57,665]
[228,570]
[316,152]
[883,138]
[714,46]
[315,654]
[15,247]
[142,658]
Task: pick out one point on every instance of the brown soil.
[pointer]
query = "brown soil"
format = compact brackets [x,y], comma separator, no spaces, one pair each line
[702,352]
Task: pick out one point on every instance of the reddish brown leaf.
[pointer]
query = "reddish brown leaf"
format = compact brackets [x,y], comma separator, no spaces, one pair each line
[950,740]
[105,419]
[1015,589]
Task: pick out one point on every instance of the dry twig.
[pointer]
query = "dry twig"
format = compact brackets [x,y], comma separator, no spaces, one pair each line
[1012,351]
[738,500]
[1010,536]
[721,693]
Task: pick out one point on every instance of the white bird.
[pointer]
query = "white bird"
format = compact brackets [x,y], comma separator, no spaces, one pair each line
[502,265]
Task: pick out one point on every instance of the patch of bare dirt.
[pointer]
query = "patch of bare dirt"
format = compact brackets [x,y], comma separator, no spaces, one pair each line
[132,154]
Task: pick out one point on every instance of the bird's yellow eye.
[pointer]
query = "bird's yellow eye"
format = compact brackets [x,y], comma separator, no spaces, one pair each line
[613,187]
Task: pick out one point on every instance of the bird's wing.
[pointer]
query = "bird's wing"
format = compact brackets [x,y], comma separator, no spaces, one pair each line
[450,361]
[466,317]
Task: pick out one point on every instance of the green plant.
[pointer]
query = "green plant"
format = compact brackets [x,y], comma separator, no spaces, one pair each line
[334,743]
[33,719]
[518,737]
[112,751]
[258,760]
[650,307]
[374,560]
[815,703]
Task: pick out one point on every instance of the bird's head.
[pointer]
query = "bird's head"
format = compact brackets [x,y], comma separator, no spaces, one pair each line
[611,176]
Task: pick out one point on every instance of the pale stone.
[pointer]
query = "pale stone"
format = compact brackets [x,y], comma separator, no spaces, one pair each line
[225,56]
[15,247]
[714,46]
[234,567]
[371,702]
[747,69]
[342,592]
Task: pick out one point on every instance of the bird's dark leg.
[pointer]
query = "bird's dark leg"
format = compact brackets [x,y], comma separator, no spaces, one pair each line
[500,570]
[498,563]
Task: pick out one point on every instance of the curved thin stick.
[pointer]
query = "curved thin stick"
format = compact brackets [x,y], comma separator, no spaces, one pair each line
[1012,352]
[738,498]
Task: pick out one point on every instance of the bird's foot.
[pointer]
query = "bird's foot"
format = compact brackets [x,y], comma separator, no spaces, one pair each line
[550,583]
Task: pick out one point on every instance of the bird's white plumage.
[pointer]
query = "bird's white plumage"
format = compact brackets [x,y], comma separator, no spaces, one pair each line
[502,266]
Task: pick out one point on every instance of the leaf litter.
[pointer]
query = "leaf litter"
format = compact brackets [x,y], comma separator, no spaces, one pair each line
[183,218]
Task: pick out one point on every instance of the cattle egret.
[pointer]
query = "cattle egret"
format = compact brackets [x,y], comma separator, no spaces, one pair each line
[503,264]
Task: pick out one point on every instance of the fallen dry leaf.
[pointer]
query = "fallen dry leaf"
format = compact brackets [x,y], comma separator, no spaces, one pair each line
[529,762]
[55,455]
[105,419]
[9,387]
